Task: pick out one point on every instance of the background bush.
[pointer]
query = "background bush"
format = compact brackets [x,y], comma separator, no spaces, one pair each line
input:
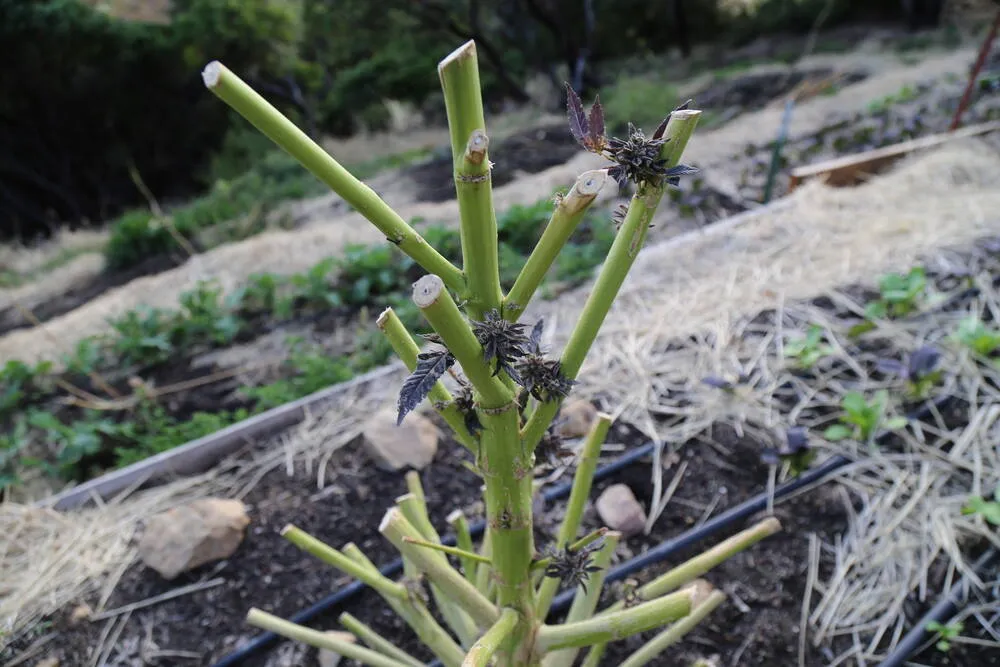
[87,101]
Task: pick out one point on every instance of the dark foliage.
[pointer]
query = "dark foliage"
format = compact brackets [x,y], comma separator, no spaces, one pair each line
[795,451]
[573,566]
[637,159]
[466,404]
[503,341]
[430,367]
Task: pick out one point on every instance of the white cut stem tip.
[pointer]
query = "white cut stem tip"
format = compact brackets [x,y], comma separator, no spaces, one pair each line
[383,316]
[427,290]
[212,73]
[467,49]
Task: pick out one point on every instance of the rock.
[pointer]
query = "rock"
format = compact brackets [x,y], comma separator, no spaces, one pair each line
[575,418]
[413,443]
[328,658]
[619,510]
[48,662]
[185,537]
[80,613]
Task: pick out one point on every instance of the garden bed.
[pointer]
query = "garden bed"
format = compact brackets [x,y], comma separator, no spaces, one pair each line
[803,379]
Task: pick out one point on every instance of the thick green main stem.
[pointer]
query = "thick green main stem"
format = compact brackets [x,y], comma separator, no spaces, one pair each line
[629,241]
[459,75]
[248,103]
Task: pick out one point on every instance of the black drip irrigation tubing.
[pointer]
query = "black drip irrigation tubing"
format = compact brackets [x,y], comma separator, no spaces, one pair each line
[944,609]
[655,555]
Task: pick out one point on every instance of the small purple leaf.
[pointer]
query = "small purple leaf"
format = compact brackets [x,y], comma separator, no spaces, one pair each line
[891,367]
[682,170]
[661,128]
[596,123]
[770,456]
[923,361]
[577,118]
[717,382]
[797,439]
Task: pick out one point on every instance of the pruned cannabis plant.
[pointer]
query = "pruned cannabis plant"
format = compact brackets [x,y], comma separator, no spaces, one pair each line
[487,375]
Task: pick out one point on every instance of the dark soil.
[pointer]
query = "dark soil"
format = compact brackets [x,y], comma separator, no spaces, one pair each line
[750,92]
[527,152]
[269,573]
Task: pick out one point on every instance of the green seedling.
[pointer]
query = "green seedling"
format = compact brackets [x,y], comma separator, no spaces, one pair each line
[974,334]
[315,288]
[506,393]
[946,633]
[862,418]
[205,317]
[807,350]
[989,509]
[143,336]
[900,294]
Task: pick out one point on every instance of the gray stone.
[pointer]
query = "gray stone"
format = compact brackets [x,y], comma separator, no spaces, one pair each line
[411,444]
[328,658]
[619,510]
[185,537]
[575,418]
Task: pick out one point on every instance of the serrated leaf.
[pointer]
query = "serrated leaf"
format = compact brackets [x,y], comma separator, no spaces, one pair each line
[682,170]
[536,336]
[595,134]
[578,125]
[430,367]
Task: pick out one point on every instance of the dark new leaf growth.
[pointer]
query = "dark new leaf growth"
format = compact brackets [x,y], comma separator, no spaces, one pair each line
[795,451]
[578,125]
[466,404]
[588,131]
[552,449]
[503,341]
[573,567]
[637,159]
[618,216]
[595,134]
[662,127]
[430,367]
[535,341]
[920,372]
[543,378]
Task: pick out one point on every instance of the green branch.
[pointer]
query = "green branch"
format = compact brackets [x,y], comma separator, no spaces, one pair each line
[440,310]
[463,538]
[482,651]
[586,599]
[630,239]
[459,74]
[617,625]
[582,481]
[395,527]
[280,626]
[661,642]
[331,556]
[564,221]
[417,616]
[248,103]
[376,641]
